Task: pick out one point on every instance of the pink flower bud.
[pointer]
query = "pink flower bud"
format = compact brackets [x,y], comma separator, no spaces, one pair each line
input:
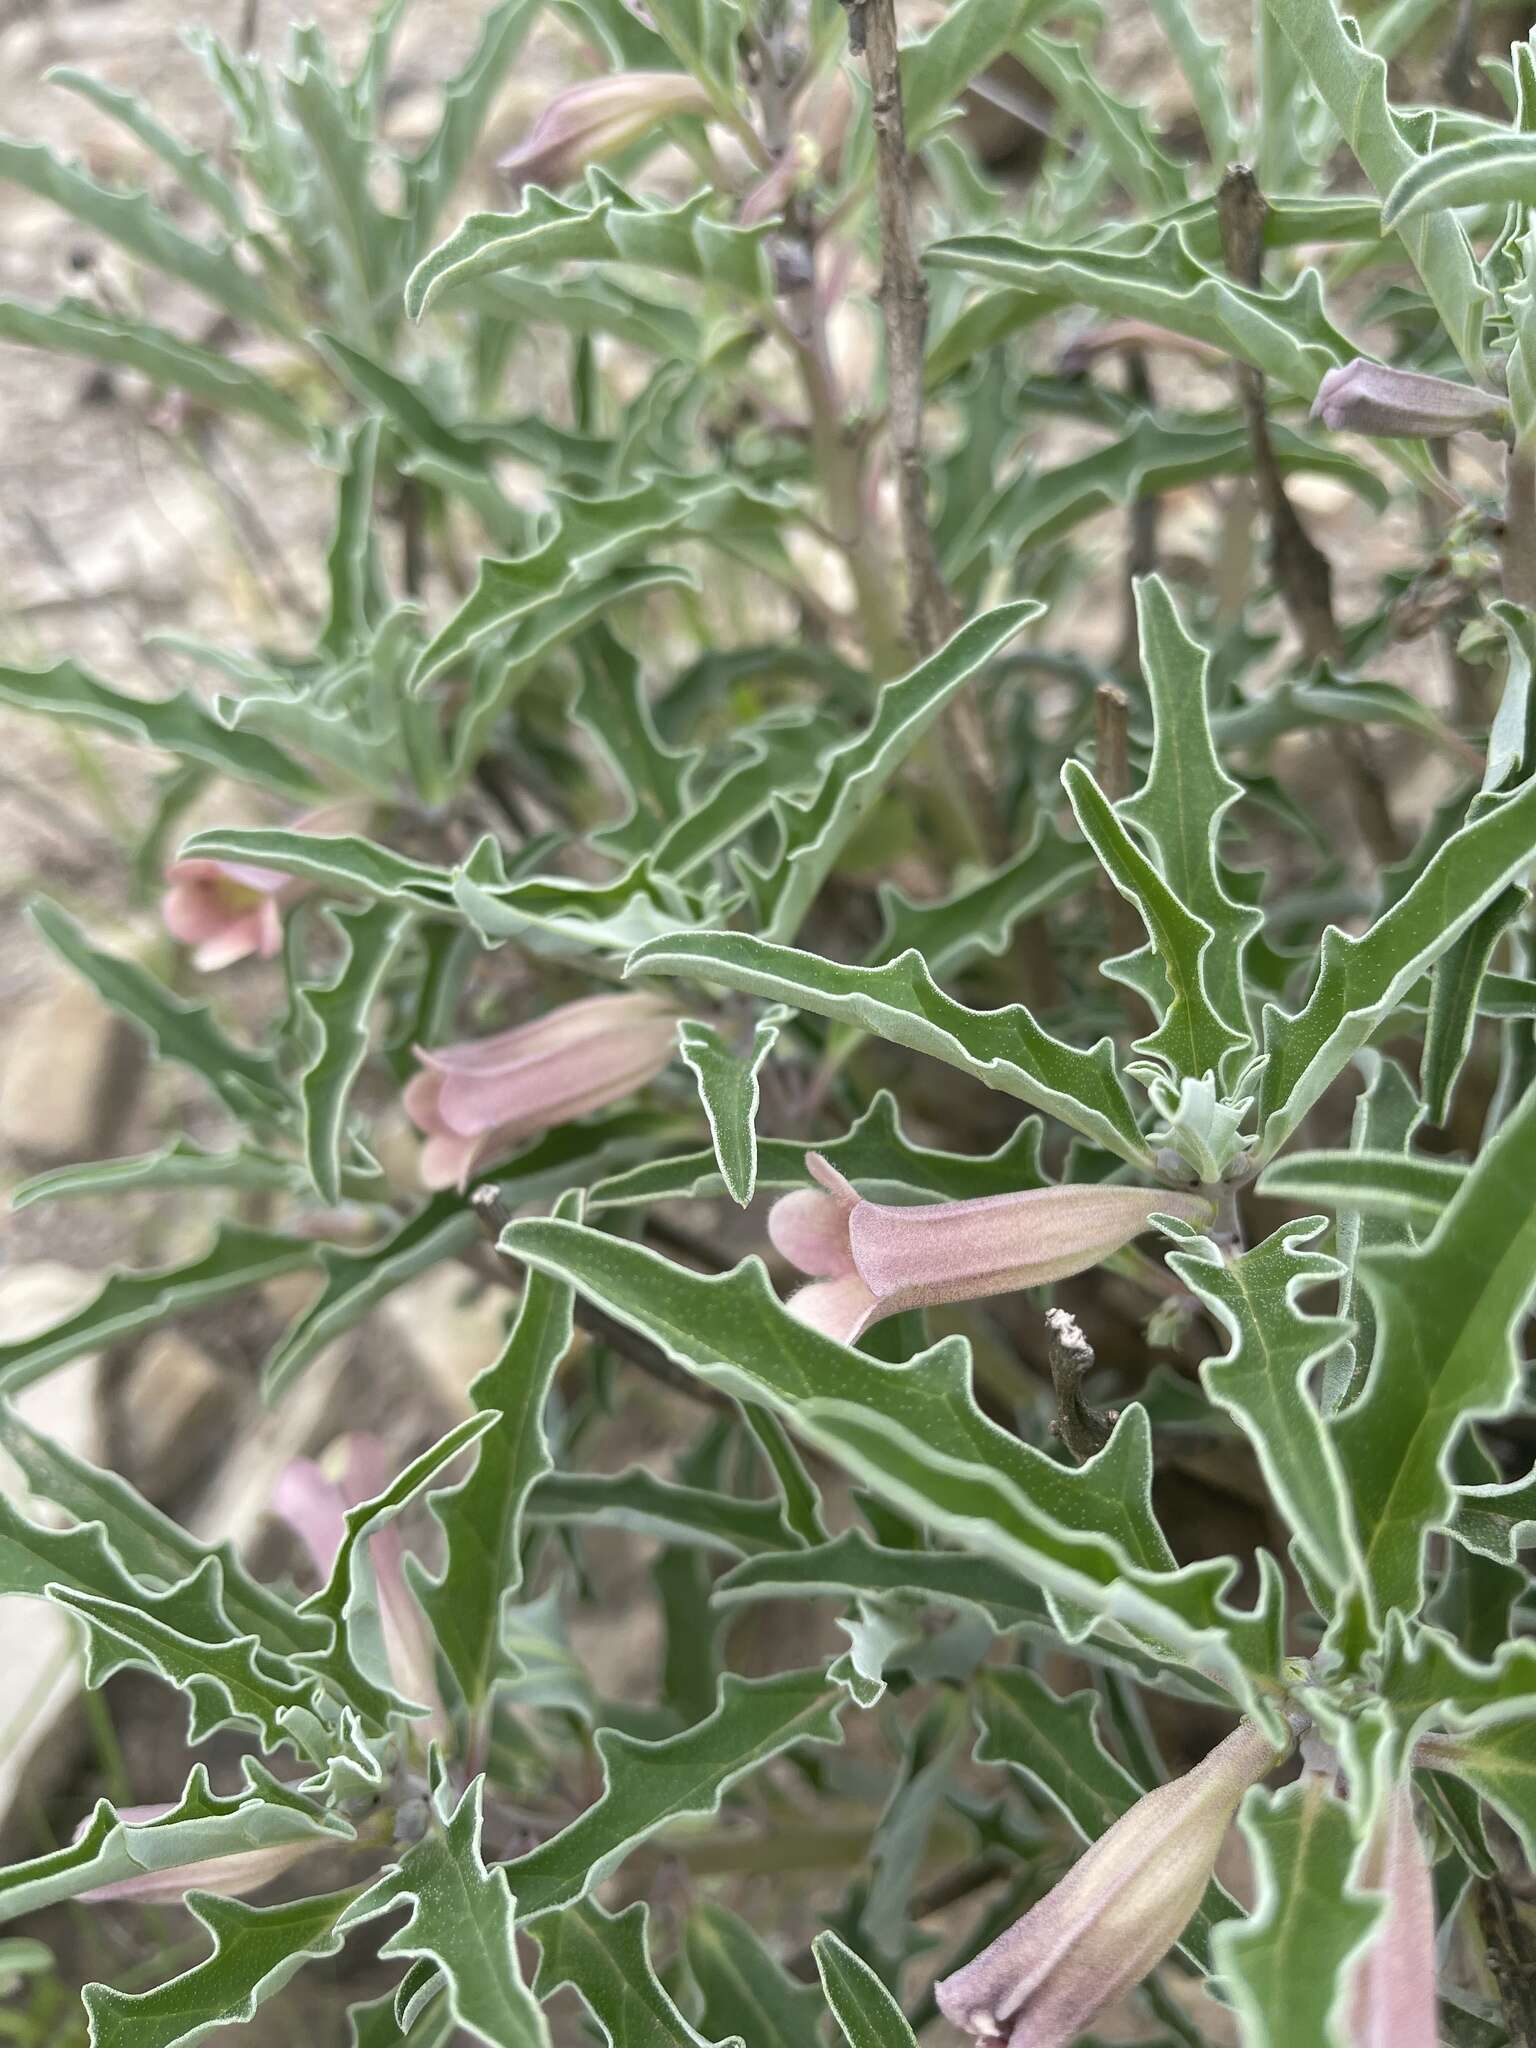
[588,123]
[1393,1998]
[872,1259]
[225,910]
[1369,398]
[1114,1915]
[475,1099]
[818,129]
[232,1876]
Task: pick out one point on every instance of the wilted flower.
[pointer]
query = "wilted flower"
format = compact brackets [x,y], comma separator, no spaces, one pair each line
[225,910]
[588,122]
[313,1500]
[1392,1996]
[232,1876]
[477,1098]
[871,1259]
[1114,1915]
[1369,398]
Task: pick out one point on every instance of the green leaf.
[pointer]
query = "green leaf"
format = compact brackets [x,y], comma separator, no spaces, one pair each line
[331,1020]
[461,1921]
[648,1784]
[240,1258]
[1288,336]
[482,1516]
[1263,1379]
[468,97]
[341,1595]
[132,220]
[364,242]
[225,1683]
[1119,132]
[193,167]
[1386,1184]
[1352,83]
[937,68]
[1191,1038]
[728,1089]
[980,916]
[256,1949]
[876,1152]
[1496,1521]
[1387,1114]
[246,1082]
[1362,979]
[357,1281]
[1055,1745]
[148,1544]
[742,1986]
[866,2013]
[611,704]
[593,536]
[1286,1964]
[176,725]
[817,829]
[352,570]
[702,35]
[74,328]
[201,1827]
[1183,803]
[1005,1049]
[637,1499]
[1203,65]
[1488,170]
[606,1958]
[915,1436]
[612,228]
[1447,1317]
[1459,976]
[180,1164]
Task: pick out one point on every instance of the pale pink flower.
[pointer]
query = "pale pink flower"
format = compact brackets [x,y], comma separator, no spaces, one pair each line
[1392,1994]
[232,1876]
[1363,397]
[589,122]
[872,1259]
[475,1099]
[225,910]
[313,1500]
[1115,1914]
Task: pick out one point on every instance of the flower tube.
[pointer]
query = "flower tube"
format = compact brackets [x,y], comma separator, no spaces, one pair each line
[1392,1994]
[1115,1914]
[867,1260]
[593,120]
[474,1099]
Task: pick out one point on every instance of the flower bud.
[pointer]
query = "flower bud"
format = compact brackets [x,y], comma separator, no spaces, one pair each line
[1392,1996]
[590,122]
[475,1099]
[872,1259]
[231,1876]
[1369,398]
[1114,1915]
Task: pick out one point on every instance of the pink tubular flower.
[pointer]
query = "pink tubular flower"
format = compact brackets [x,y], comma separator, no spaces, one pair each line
[589,122]
[1115,1914]
[1392,1996]
[475,1099]
[1362,397]
[871,1259]
[225,910]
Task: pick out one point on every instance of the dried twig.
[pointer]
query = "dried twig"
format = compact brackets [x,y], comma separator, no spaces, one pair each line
[1084,1430]
[904,309]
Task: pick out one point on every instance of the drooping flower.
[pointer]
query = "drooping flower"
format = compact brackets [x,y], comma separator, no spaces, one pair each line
[478,1097]
[225,910]
[872,1259]
[1115,1914]
[1392,1995]
[589,122]
[1363,397]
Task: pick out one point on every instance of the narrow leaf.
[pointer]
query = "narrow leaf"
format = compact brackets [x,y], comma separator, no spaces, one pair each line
[728,1089]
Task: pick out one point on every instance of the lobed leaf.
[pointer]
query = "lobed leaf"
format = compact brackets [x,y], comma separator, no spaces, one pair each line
[728,1089]
[331,1019]
[605,1957]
